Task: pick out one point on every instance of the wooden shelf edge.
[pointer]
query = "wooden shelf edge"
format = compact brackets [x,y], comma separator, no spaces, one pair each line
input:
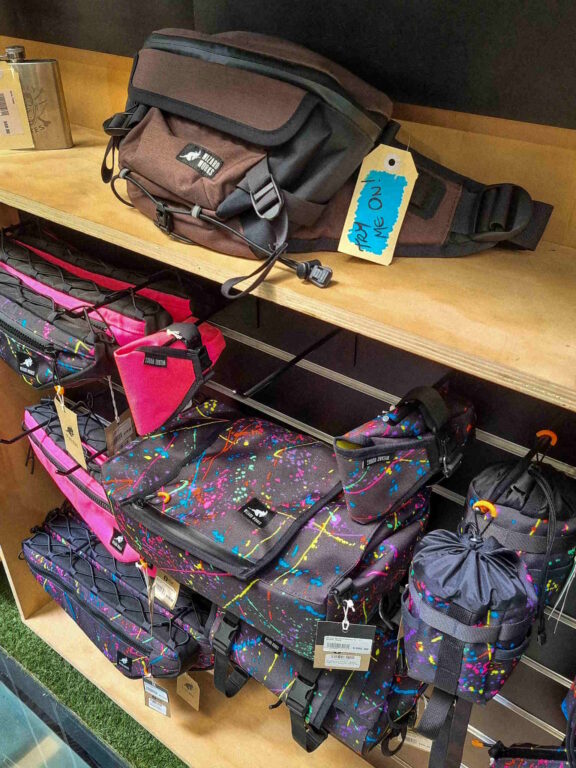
[275,291]
[225,733]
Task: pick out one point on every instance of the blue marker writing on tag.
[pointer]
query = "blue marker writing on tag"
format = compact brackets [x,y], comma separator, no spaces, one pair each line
[377,211]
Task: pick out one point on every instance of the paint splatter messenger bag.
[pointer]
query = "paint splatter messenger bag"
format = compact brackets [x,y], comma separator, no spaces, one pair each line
[249,145]
[252,516]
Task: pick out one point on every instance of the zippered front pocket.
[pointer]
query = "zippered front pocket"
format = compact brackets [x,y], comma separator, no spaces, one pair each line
[41,345]
[306,78]
[113,625]
[248,544]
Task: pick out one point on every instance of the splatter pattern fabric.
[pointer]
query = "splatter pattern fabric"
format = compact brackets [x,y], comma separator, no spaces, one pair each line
[467,613]
[108,601]
[179,497]
[387,459]
[46,348]
[528,756]
[524,522]
[355,707]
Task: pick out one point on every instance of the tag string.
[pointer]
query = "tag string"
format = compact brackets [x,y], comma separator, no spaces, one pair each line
[143,567]
[116,416]
[348,606]
[560,603]
[60,395]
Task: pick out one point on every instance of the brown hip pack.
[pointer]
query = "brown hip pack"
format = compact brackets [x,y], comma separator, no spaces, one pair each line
[250,145]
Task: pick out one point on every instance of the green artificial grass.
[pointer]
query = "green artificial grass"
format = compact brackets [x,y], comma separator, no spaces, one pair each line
[93,707]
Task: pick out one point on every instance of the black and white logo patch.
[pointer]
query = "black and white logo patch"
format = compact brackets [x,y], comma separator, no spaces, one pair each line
[375,460]
[26,364]
[257,512]
[118,541]
[200,160]
[276,647]
[157,362]
[124,662]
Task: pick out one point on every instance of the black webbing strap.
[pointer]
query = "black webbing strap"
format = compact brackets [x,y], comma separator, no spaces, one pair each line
[532,545]
[190,335]
[501,213]
[272,215]
[427,195]
[228,678]
[448,748]
[298,701]
[117,127]
[438,722]
[530,236]
[431,404]
[455,625]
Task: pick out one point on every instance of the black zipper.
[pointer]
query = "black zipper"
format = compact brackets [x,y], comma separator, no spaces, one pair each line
[183,538]
[300,75]
[85,490]
[178,536]
[176,617]
[33,341]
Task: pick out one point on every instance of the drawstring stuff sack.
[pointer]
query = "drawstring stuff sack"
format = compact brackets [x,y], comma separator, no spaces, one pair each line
[531,508]
[467,613]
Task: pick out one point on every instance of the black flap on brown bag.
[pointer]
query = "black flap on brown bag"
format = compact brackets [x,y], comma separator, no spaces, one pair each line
[224,98]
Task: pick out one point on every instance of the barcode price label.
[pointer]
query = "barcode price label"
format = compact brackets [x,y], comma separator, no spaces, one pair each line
[343,661]
[156,697]
[338,649]
[347,644]
[11,124]
[14,127]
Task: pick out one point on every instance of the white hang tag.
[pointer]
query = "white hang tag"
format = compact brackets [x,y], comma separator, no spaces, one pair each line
[156,697]
[119,433]
[69,426]
[189,690]
[336,648]
[166,589]
[383,190]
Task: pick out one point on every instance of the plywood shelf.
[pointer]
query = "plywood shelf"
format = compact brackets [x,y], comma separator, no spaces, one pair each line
[224,733]
[505,316]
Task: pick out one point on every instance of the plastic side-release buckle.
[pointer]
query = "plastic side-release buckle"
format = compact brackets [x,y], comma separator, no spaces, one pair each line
[267,199]
[300,696]
[503,211]
[224,635]
[451,455]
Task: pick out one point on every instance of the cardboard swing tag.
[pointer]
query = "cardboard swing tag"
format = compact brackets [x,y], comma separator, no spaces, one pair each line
[15,130]
[385,184]
[166,589]
[69,424]
[189,690]
[119,433]
[156,697]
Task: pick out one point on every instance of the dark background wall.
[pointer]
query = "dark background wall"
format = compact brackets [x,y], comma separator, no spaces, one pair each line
[508,58]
